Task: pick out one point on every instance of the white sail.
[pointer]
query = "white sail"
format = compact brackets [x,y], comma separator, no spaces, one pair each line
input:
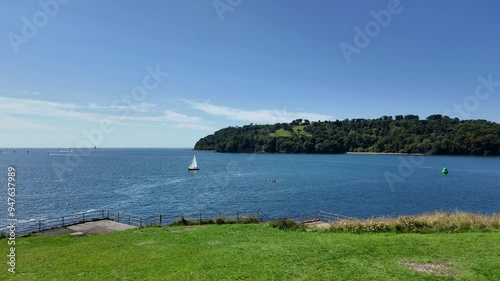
[194,164]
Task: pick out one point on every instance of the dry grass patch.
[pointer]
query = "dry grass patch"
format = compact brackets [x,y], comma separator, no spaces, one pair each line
[425,223]
[442,268]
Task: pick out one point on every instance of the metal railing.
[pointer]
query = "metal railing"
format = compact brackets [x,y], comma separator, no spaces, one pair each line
[170,218]
[331,217]
[38,225]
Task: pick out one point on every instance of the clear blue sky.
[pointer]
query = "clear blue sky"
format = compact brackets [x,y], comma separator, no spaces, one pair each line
[256,62]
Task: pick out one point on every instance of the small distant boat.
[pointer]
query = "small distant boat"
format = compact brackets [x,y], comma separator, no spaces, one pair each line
[194,165]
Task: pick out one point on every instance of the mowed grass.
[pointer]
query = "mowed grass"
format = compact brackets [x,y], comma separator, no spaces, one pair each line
[297,130]
[252,252]
[281,133]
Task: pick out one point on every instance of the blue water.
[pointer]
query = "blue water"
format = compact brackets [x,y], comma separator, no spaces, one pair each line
[151,181]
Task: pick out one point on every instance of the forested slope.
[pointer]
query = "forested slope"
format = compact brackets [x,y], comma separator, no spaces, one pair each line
[436,134]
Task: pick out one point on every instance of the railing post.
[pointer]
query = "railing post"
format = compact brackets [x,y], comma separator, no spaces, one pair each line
[128,219]
[62,221]
[102,214]
[39,225]
[140,221]
[321,215]
[160,219]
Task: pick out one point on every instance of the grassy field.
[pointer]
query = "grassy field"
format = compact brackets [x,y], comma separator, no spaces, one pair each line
[281,133]
[297,130]
[253,252]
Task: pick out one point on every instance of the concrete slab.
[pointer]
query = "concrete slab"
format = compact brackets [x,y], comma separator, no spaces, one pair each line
[83,229]
[54,232]
[318,224]
[100,227]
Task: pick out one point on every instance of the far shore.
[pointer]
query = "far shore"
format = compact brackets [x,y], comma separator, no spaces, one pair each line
[388,153]
[368,153]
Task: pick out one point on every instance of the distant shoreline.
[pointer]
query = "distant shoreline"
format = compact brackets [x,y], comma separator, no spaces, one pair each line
[387,153]
[353,153]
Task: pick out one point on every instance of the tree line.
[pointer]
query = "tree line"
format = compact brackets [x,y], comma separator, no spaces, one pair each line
[436,135]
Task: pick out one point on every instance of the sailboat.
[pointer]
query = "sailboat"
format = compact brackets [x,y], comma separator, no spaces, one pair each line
[194,165]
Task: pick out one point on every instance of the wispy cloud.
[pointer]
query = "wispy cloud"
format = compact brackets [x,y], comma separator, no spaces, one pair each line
[135,114]
[140,107]
[255,116]
[27,93]
[11,123]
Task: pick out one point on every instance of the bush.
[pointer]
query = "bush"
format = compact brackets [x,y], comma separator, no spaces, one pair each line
[183,221]
[248,220]
[220,220]
[287,224]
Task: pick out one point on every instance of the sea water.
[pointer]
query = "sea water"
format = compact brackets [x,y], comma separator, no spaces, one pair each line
[56,182]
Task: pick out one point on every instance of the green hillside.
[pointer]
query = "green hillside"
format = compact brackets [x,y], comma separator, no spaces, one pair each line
[437,134]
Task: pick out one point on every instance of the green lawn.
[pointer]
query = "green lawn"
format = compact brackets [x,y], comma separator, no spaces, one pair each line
[300,131]
[297,130]
[251,252]
[281,133]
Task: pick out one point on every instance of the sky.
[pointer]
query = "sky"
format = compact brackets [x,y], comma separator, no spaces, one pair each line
[148,73]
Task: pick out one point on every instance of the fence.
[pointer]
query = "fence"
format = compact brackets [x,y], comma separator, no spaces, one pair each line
[37,225]
[330,217]
[169,218]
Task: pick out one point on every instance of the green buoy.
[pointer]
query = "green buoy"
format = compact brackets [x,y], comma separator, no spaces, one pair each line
[444,170]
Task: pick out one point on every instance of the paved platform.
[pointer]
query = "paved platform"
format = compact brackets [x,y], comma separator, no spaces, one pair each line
[100,227]
[318,224]
[94,227]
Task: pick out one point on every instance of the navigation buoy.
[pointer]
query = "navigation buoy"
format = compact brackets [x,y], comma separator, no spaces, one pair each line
[444,170]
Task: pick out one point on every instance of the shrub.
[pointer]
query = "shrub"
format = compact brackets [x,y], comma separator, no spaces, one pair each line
[287,224]
[248,220]
[183,221]
[220,220]
[207,221]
